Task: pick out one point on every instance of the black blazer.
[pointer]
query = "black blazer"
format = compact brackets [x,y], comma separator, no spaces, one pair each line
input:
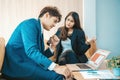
[78,44]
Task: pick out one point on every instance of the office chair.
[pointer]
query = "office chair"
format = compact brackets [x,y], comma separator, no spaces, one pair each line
[2,53]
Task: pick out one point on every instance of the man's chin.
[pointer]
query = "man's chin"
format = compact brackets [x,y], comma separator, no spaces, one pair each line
[48,29]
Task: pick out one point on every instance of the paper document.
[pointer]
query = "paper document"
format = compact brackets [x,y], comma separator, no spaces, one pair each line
[97,74]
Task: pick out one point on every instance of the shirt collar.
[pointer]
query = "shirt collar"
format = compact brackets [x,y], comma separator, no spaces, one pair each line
[42,30]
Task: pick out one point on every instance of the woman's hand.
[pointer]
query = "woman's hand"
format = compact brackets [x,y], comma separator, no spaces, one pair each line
[88,42]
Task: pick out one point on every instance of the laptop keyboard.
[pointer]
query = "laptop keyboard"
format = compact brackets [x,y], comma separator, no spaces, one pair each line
[83,66]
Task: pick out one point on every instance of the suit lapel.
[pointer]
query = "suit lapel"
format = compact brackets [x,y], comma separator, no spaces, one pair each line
[41,37]
[42,42]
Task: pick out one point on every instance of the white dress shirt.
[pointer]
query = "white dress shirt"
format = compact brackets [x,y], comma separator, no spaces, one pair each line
[52,66]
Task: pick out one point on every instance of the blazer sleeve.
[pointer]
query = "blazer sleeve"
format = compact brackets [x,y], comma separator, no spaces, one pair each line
[48,53]
[30,42]
[83,47]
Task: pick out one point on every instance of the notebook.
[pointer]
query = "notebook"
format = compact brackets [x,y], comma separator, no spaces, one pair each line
[95,61]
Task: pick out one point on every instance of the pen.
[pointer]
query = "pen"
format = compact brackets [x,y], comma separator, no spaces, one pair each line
[91,72]
[83,70]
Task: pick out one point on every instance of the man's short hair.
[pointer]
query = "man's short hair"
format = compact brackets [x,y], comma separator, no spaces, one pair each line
[53,11]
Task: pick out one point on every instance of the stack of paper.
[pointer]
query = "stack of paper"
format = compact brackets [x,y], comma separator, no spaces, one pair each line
[97,74]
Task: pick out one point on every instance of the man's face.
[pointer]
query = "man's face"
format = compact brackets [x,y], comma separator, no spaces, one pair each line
[50,22]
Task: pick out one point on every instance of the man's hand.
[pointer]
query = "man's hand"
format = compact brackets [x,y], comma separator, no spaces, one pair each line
[54,40]
[64,71]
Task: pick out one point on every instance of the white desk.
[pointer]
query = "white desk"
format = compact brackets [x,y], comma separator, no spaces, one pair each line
[78,76]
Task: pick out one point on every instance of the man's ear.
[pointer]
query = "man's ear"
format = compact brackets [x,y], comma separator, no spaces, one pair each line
[47,15]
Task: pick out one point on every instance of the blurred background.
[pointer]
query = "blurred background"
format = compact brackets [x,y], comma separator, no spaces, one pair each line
[99,18]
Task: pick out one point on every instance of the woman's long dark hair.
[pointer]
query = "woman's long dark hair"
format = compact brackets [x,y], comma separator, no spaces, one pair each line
[77,25]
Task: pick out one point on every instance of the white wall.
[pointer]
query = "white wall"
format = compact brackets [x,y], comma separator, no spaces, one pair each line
[102,19]
[12,12]
[108,25]
[89,18]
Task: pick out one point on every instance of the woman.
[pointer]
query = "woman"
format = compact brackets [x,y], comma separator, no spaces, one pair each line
[72,46]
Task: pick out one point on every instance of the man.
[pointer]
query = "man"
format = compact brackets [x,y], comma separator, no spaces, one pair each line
[25,58]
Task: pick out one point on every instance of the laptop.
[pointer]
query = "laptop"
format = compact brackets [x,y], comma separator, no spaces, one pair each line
[95,61]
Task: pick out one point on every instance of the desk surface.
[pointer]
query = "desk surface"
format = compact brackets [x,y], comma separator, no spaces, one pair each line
[78,76]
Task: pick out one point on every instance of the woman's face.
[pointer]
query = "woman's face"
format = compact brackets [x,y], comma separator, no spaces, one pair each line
[69,22]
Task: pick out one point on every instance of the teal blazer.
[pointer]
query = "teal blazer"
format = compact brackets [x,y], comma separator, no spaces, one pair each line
[25,51]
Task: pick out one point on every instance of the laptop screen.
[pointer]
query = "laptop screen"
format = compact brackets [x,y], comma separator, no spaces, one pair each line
[99,56]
